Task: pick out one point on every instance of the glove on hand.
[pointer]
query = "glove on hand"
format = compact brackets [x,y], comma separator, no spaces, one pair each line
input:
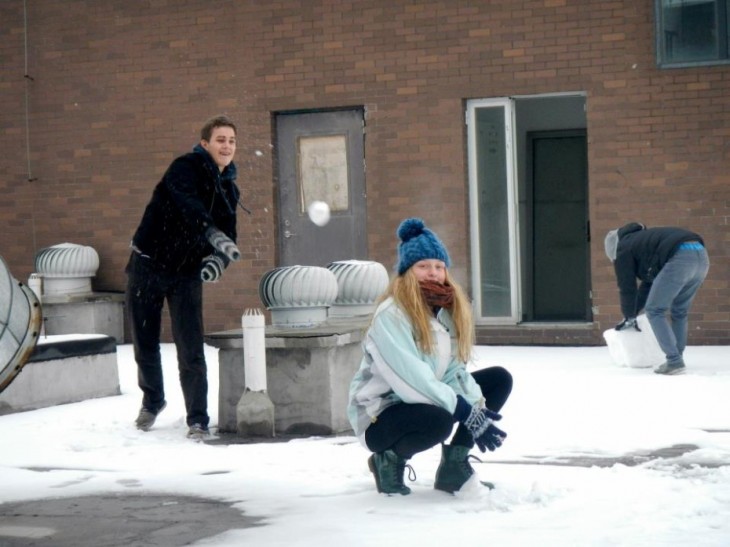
[478,419]
[223,243]
[627,323]
[212,270]
[492,439]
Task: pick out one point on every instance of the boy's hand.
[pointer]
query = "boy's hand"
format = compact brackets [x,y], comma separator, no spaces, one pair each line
[628,323]
[212,268]
[223,243]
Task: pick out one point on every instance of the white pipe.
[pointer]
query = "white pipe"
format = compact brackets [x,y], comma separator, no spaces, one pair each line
[254,349]
[35,284]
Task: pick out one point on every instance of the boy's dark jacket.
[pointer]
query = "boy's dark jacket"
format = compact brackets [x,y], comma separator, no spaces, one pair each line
[192,197]
[641,254]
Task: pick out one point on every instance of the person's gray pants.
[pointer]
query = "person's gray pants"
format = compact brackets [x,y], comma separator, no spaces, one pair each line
[673,291]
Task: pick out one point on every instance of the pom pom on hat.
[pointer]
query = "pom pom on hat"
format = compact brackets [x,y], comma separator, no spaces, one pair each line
[418,243]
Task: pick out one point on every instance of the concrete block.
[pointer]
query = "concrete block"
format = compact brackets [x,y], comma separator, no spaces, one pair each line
[308,374]
[95,313]
[64,369]
[255,414]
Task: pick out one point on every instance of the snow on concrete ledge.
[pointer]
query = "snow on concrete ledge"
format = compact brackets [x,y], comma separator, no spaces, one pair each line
[64,369]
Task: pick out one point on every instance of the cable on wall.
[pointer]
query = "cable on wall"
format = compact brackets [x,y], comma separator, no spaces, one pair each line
[28,80]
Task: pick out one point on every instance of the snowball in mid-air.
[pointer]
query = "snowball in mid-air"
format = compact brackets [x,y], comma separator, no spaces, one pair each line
[319,212]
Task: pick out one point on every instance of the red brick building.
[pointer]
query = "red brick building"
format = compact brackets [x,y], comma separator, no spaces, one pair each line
[520,131]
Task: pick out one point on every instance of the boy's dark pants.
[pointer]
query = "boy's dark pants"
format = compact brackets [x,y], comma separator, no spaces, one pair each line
[147,289]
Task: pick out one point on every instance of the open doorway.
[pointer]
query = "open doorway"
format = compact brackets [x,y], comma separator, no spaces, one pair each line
[529,207]
[556,284]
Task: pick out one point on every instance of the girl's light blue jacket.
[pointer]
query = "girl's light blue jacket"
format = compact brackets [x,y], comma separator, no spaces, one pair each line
[395,370]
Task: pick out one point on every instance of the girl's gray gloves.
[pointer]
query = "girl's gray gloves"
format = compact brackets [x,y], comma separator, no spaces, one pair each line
[479,420]
[212,270]
[221,242]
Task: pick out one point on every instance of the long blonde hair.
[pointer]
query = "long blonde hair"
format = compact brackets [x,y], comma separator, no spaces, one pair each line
[406,292]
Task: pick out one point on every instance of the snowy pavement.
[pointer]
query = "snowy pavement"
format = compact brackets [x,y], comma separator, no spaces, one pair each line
[597,455]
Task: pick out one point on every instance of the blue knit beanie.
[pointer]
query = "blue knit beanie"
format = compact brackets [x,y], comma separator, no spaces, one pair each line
[418,243]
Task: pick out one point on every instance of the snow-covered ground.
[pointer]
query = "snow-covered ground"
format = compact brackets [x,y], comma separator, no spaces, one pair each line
[584,464]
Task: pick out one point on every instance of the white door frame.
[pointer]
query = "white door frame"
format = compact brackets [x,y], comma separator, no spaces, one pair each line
[512,209]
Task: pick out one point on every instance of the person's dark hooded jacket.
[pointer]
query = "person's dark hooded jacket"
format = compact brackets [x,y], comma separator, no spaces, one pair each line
[641,254]
[192,196]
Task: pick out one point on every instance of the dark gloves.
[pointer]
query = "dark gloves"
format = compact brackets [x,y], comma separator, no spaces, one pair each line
[221,242]
[628,323]
[212,269]
[491,439]
[479,420]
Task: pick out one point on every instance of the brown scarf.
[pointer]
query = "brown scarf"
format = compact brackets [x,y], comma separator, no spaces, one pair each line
[436,294]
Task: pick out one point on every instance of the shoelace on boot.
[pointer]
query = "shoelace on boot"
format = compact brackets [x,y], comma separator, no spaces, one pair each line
[400,470]
[411,473]
[466,463]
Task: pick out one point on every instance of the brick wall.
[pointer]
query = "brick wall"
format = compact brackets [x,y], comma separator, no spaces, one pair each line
[120,88]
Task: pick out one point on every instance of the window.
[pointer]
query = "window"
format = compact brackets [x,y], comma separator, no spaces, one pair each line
[691,32]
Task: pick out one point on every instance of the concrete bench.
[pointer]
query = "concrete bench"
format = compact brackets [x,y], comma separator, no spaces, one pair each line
[64,369]
[308,374]
[92,313]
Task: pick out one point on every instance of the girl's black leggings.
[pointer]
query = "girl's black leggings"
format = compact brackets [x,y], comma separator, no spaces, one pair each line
[411,428]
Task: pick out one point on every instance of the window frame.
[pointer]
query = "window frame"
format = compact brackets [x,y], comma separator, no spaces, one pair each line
[723,45]
[506,105]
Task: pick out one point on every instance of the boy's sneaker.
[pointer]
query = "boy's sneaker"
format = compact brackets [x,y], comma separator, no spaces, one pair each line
[146,418]
[198,432]
[670,368]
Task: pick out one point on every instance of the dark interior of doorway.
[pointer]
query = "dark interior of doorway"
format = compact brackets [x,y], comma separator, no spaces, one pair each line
[558,226]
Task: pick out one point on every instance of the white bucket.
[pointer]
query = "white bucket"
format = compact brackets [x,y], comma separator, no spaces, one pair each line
[631,348]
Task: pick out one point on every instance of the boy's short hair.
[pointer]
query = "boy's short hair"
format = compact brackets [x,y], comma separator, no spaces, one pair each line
[211,124]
